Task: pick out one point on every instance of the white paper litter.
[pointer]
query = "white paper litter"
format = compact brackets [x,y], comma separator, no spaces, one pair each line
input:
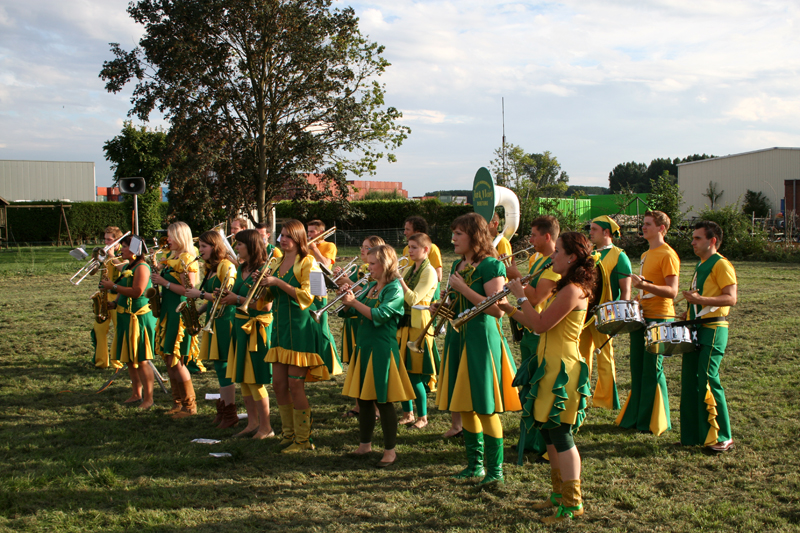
[420,307]
[210,396]
[206,441]
[223,454]
[242,415]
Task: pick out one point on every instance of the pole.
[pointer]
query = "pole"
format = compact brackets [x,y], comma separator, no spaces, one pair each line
[136,214]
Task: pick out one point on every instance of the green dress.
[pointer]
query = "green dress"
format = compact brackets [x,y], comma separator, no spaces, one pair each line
[295,335]
[215,347]
[171,337]
[350,323]
[477,371]
[135,323]
[376,371]
[250,342]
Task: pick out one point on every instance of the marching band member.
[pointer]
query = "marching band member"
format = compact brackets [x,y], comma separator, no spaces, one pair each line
[238,224]
[220,274]
[414,225]
[350,323]
[263,230]
[376,374]
[99,332]
[560,387]
[544,234]
[476,371]
[419,286]
[172,343]
[251,340]
[704,411]
[134,338]
[325,254]
[647,406]
[503,248]
[617,273]
[294,351]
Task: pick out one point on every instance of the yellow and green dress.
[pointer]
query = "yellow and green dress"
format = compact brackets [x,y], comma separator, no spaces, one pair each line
[435,258]
[422,367]
[704,410]
[559,389]
[540,267]
[350,323]
[250,341]
[171,336]
[100,330]
[647,405]
[327,344]
[376,371]
[296,337]
[215,347]
[616,266]
[134,339]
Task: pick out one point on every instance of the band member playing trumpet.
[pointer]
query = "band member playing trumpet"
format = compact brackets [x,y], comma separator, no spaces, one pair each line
[618,271]
[251,338]
[647,406]
[215,345]
[544,234]
[294,350]
[134,338]
[503,247]
[419,286]
[476,371]
[559,389]
[376,374]
[99,332]
[173,344]
[704,411]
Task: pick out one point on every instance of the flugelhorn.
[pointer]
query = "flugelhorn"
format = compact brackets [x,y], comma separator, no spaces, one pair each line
[99,256]
[317,315]
[216,310]
[524,255]
[256,291]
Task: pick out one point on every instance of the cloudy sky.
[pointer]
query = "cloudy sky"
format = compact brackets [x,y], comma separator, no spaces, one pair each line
[596,83]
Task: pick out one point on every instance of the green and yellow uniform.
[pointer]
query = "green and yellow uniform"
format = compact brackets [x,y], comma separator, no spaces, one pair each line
[250,341]
[171,337]
[647,406]
[327,347]
[704,410]
[134,339]
[100,330]
[617,266]
[435,259]
[216,347]
[504,247]
[350,323]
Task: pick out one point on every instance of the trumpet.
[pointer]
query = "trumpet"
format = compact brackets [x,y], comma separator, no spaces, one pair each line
[445,311]
[216,310]
[524,255]
[99,256]
[472,312]
[324,235]
[348,270]
[257,291]
[317,315]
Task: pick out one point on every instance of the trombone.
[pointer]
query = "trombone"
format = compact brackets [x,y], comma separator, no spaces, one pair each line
[317,315]
[99,256]
[324,235]
[524,255]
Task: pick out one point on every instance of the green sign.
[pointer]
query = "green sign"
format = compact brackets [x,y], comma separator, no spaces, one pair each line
[483,194]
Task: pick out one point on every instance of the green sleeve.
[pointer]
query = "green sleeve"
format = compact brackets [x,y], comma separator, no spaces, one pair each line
[492,268]
[623,267]
[390,304]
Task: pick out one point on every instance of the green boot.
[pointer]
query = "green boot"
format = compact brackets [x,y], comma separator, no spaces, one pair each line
[474,445]
[493,461]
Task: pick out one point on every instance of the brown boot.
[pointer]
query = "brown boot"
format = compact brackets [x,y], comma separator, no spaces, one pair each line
[220,407]
[571,503]
[554,500]
[177,395]
[189,403]
[230,416]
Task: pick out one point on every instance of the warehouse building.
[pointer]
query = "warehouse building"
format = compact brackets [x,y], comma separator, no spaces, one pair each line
[771,171]
[36,181]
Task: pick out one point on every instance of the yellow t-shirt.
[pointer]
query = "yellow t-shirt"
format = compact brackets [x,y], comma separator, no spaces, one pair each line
[656,265]
[503,247]
[434,256]
[328,250]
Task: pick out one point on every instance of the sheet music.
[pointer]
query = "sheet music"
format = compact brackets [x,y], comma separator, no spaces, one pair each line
[317,281]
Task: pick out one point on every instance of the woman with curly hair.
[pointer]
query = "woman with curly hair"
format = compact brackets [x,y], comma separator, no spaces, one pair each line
[476,370]
[560,386]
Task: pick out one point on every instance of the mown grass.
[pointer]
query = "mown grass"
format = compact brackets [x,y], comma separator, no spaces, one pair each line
[73,460]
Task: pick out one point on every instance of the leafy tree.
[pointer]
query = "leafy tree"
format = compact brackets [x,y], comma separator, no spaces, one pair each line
[586,190]
[140,152]
[629,175]
[666,196]
[513,169]
[756,202]
[383,195]
[261,93]
[713,193]
[657,167]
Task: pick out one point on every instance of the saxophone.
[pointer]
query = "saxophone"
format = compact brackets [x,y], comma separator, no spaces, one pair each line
[152,294]
[100,298]
[188,308]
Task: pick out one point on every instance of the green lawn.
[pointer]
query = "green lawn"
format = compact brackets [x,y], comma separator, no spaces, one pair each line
[73,460]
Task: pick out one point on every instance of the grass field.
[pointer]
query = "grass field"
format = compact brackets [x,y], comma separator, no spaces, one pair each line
[73,460]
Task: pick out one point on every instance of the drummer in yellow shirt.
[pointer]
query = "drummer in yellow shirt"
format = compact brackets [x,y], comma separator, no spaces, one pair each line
[647,406]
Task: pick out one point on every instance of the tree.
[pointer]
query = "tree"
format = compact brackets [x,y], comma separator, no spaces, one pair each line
[713,193]
[756,202]
[264,92]
[657,167]
[628,176]
[510,170]
[666,196]
[140,152]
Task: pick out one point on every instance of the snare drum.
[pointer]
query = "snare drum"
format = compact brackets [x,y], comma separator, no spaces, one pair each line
[666,338]
[619,316]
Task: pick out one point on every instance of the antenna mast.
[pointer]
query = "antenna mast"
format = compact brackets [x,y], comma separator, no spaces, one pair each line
[503,107]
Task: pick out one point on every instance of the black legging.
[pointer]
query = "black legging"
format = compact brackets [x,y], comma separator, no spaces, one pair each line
[366,422]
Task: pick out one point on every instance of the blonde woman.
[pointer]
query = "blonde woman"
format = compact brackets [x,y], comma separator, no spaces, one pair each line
[173,344]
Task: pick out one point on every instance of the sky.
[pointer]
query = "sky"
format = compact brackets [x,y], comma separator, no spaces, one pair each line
[596,83]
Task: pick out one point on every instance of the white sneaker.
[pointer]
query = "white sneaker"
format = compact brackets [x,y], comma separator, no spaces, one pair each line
[721,447]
